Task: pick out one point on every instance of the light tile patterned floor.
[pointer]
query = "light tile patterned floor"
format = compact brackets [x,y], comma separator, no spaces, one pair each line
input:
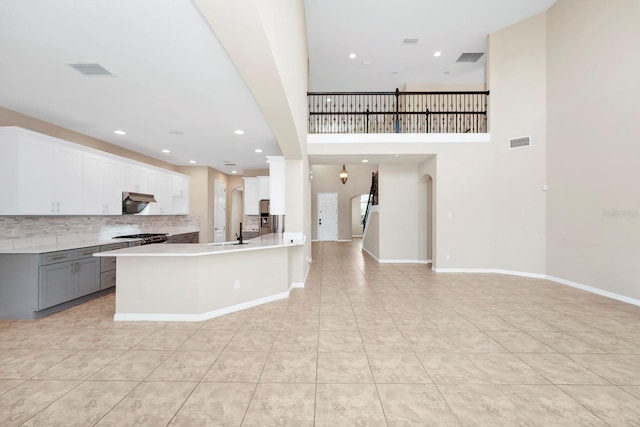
[362,344]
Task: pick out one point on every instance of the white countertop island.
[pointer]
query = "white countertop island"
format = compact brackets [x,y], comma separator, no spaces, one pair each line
[194,282]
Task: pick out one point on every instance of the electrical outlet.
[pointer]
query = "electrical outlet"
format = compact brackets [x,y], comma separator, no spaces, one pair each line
[236,284]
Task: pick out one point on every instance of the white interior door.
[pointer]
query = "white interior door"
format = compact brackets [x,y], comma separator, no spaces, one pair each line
[327,216]
[219,211]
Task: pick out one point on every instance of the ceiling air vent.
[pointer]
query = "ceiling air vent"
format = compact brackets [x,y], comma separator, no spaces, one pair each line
[230,164]
[410,41]
[470,57]
[91,69]
[524,141]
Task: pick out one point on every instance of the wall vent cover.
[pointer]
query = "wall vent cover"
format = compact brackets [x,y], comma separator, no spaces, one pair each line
[470,57]
[91,69]
[524,141]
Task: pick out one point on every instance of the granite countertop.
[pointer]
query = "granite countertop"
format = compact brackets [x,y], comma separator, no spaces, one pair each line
[268,241]
[63,243]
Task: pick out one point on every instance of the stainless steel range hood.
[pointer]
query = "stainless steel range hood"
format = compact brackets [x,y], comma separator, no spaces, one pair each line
[133,203]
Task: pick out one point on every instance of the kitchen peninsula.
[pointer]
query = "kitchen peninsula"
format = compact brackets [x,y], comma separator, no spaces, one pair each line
[195,282]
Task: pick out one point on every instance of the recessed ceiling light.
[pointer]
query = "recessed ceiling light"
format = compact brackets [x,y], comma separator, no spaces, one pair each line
[192,161]
[258,150]
[365,161]
[437,53]
[268,161]
[396,155]
[166,151]
[352,56]
[119,132]
[239,132]
[234,171]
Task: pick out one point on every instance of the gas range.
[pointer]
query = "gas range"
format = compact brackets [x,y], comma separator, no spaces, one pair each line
[147,238]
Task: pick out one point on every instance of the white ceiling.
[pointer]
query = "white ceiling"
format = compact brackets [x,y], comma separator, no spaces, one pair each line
[171,75]
[374,30]
[173,86]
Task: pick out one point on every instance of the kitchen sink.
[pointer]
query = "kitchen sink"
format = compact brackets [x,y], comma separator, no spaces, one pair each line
[231,243]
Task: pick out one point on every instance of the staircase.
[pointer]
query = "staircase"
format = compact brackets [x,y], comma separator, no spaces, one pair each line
[373,197]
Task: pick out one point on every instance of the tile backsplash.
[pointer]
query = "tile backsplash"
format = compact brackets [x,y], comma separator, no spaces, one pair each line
[27,231]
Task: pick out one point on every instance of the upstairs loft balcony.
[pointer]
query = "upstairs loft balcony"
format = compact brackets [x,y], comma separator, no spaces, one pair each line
[397,112]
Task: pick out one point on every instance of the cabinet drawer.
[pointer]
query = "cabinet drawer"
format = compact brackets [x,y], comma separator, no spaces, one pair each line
[85,252]
[113,247]
[107,263]
[55,257]
[108,279]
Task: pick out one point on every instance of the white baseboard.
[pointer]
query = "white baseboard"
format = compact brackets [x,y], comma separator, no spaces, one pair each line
[345,240]
[370,254]
[490,271]
[198,317]
[593,290]
[399,261]
[300,284]
[565,282]
[425,261]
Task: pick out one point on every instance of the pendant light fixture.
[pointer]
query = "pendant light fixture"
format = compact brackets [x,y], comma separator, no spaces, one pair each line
[344,175]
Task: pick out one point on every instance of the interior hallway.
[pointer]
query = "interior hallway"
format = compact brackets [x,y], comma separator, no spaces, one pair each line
[362,344]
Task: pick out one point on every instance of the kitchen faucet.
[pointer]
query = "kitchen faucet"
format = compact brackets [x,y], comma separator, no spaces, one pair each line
[240,236]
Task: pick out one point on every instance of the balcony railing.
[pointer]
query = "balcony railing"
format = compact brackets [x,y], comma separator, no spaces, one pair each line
[398,112]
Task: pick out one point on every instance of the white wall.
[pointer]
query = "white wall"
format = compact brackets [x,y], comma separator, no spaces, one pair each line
[517,81]
[593,159]
[371,238]
[398,201]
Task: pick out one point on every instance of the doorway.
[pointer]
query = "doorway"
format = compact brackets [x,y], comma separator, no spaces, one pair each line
[426,239]
[219,211]
[327,216]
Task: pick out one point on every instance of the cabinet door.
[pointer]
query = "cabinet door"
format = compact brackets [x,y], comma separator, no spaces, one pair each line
[160,187]
[263,188]
[35,177]
[55,284]
[86,276]
[179,186]
[102,193]
[107,279]
[67,178]
[8,172]
[251,206]
[111,189]
[134,178]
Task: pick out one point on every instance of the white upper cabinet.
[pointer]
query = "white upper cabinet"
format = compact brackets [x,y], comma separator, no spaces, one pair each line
[8,173]
[251,196]
[102,191]
[180,193]
[160,187]
[43,175]
[135,178]
[49,178]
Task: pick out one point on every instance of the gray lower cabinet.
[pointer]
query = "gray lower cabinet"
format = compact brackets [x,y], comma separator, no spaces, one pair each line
[56,284]
[61,280]
[108,265]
